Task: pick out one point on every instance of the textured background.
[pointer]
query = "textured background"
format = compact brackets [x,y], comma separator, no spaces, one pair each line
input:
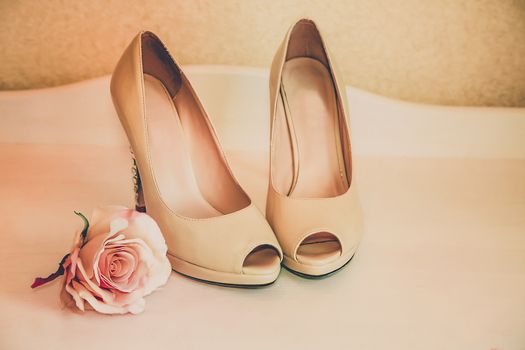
[458,52]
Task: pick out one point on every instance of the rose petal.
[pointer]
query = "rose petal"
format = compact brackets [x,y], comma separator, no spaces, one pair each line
[99,306]
[73,290]
[106,296]
[95,265]
[137,307]
[132,302]
[152,265]
[93,246]
[126,282]
[125,262]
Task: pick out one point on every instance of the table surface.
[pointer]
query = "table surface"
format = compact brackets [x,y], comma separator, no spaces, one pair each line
[441,264]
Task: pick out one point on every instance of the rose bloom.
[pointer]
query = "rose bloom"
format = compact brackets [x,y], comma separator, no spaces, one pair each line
[122,259]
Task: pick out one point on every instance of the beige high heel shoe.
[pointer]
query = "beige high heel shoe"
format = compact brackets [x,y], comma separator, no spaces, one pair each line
[213,230]
[312,205]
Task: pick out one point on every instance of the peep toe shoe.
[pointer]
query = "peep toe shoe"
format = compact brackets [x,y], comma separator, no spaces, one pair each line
[213,230]
[312,204]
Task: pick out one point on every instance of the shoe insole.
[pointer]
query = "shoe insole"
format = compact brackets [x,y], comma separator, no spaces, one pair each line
[319,249]
[310,106]
[170,156]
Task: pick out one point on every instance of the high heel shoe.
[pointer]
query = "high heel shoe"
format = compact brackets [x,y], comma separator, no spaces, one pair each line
[312,204]
[213,230]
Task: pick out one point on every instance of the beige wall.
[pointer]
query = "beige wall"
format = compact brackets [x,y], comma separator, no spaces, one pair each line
[466,52]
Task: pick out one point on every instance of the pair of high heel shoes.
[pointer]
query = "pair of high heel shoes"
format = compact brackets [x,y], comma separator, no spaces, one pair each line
[213,230]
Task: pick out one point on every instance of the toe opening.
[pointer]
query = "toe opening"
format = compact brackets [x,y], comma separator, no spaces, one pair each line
[319,248]
[262,260]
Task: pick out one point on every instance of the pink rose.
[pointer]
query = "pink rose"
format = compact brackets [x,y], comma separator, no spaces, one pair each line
[121,259]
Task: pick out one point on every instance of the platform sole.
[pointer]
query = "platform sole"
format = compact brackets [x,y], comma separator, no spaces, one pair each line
[316,272]
[220,278]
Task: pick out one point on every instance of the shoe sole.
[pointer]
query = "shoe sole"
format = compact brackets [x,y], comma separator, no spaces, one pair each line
[219,278]
[226,285]
[321,276]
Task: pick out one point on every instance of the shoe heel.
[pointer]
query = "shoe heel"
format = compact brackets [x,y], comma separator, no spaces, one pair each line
[140,205]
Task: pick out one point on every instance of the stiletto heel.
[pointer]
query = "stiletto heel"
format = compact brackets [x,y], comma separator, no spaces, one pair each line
[140,205]
[313,206]
[213,230]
